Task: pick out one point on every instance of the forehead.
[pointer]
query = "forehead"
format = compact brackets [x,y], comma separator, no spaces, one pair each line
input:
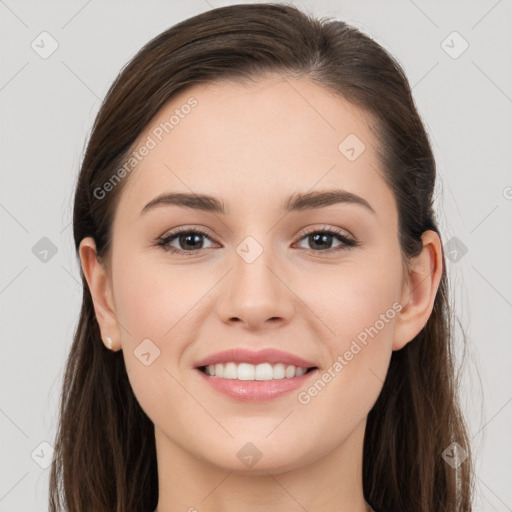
[254,144]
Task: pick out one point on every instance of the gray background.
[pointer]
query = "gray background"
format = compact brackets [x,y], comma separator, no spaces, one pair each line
[47,109]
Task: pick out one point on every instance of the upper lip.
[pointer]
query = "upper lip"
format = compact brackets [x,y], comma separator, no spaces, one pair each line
[242,355]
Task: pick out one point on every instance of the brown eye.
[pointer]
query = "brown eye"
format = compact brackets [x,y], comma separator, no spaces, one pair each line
[321,240]
[188,240]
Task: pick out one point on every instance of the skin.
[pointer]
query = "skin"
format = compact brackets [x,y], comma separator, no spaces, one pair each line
[252,146]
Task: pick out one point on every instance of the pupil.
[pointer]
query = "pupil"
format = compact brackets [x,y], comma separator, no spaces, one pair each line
[321,237]
[186,237]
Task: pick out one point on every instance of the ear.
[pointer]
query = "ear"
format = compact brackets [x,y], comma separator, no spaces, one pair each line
[419,290]
[101,292]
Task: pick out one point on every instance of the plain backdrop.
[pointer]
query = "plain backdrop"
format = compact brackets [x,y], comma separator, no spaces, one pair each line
[458,58]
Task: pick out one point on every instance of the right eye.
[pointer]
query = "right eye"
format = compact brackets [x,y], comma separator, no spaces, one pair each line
[184,237]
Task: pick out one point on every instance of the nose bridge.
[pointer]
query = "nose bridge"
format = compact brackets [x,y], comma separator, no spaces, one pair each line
[256,293]
[252,275]
[252,263]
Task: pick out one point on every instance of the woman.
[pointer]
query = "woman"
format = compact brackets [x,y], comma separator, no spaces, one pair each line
[265,321]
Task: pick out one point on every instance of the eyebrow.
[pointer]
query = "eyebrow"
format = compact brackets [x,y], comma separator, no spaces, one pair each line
[296,202]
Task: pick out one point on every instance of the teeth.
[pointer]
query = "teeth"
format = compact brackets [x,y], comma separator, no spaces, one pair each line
[246,371]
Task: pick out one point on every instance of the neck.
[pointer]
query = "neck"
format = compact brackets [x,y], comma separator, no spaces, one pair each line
[331,483]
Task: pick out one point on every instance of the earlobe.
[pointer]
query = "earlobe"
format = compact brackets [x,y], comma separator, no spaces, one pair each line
[101,292]
[419,290]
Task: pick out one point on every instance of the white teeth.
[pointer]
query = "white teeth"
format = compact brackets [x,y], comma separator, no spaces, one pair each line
[246,371]
[218,370]
[300,371]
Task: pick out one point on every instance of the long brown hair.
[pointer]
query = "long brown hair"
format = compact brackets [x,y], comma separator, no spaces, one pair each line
[105,457]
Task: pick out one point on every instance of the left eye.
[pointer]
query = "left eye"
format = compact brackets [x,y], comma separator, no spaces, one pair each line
[324,236]
[190,240]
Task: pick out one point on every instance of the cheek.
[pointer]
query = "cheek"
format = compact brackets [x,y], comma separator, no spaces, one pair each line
[359,304]
[153,300]
[354,297]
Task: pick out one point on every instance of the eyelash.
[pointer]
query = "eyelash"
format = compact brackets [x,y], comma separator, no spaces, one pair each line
[348,243]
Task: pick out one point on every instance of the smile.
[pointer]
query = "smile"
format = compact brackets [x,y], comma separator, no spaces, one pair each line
[247,371]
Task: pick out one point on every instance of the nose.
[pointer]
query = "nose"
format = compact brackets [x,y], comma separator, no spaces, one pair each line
[255,294]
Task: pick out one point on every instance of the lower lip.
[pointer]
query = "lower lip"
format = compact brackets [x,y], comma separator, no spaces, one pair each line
[256,390]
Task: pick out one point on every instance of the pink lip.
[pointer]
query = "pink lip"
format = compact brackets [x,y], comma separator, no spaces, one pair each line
[256,390]
[268,355]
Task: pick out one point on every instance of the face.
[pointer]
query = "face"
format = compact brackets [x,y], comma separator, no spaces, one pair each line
[258,275]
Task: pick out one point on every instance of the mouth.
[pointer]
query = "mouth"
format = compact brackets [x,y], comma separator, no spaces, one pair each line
[246,383]
[251,372]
